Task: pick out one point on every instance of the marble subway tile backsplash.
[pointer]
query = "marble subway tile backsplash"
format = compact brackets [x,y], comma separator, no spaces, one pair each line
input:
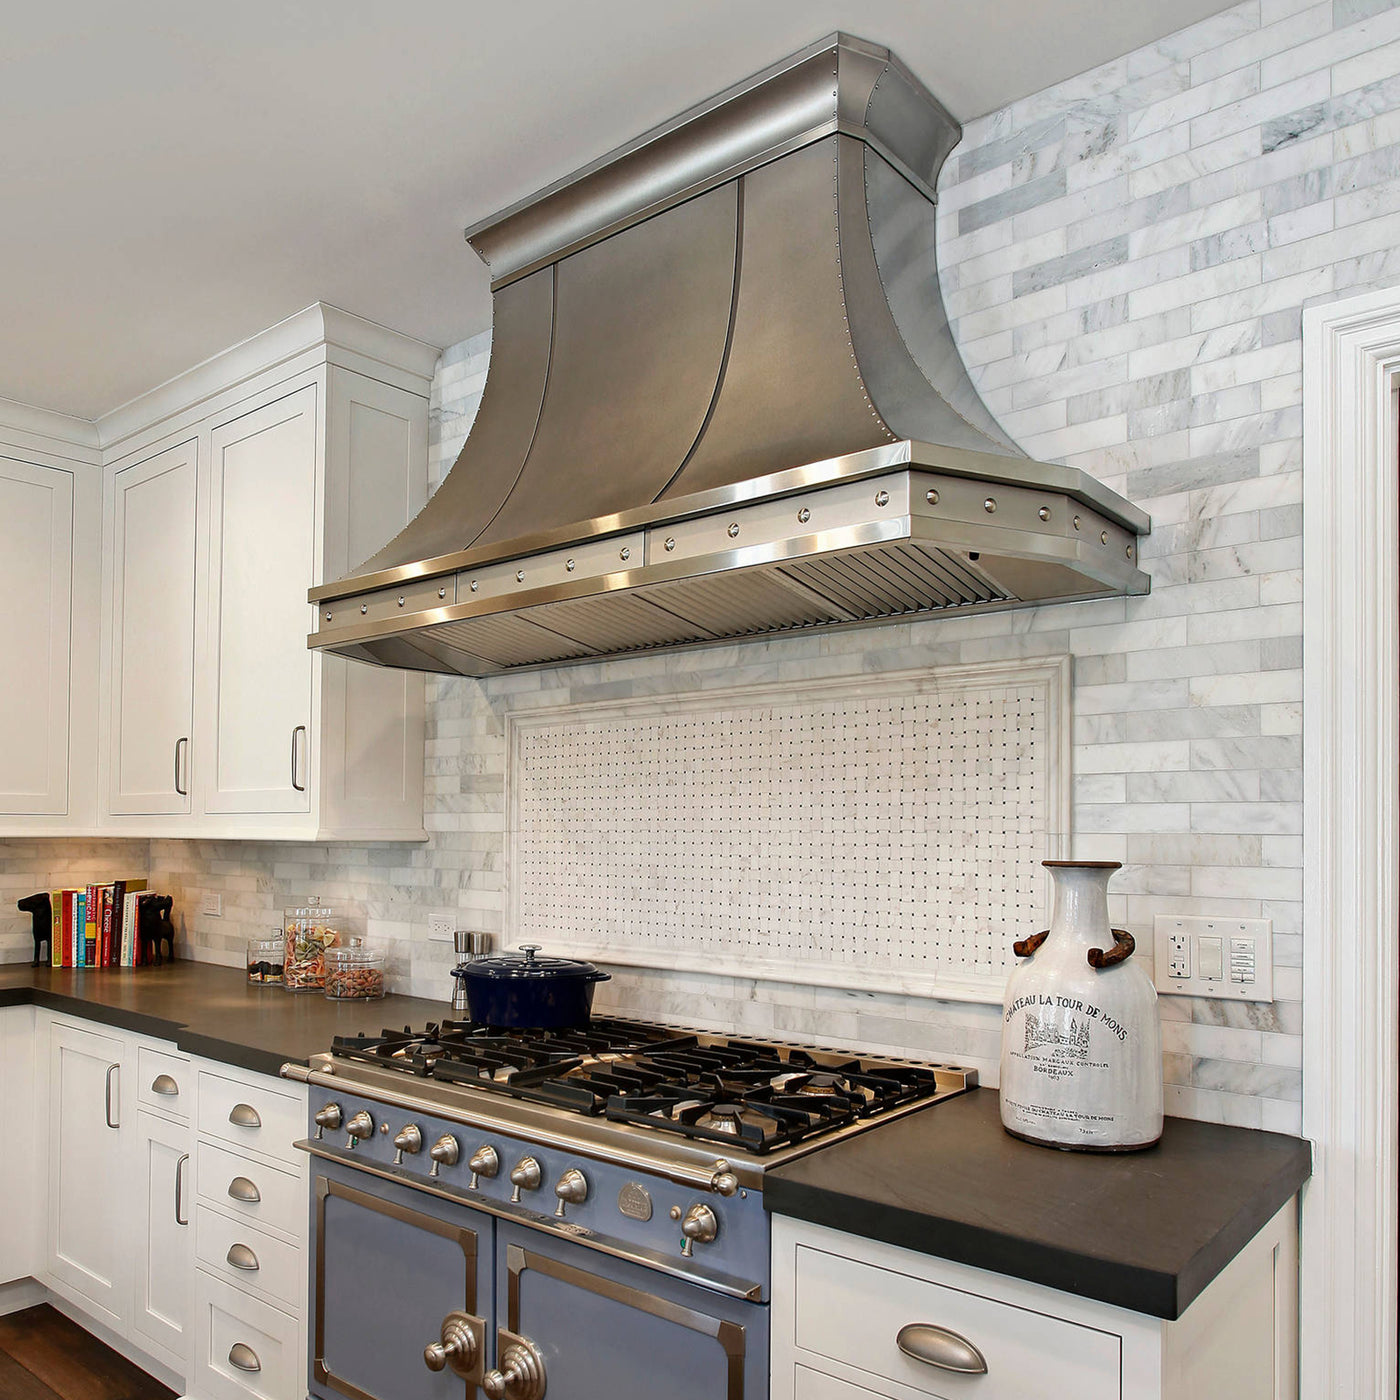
[1124,257]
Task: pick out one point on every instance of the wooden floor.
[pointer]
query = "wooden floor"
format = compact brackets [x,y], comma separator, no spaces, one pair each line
[44,1356]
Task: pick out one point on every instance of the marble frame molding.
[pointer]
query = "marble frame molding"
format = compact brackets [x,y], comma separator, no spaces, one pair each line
[1351,890]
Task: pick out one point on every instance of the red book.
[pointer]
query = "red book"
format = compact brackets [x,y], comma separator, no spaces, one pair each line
[68,927]
[105,960]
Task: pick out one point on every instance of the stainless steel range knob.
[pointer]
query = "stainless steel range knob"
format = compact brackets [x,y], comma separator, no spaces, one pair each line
[460,1345]
[409,1139]
[520,1375]
[484,1162]
[444,1153]
[524,1176]
[700,1226]
[327,1117]
[360,1128]
[572,1190]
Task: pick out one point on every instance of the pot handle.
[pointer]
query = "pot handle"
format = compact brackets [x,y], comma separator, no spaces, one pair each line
[1121,951]
[600,976]
[1024,947]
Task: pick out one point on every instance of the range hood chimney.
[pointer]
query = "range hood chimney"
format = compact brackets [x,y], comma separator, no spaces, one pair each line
[723,401]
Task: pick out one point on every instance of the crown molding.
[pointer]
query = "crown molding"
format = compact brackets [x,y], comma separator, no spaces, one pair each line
[54,434]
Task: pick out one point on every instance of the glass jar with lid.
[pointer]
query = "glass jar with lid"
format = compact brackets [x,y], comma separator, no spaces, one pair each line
[354,972]
[266,958]
[309,932]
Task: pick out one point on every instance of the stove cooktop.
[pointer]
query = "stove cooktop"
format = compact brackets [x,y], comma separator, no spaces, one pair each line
[748,1095]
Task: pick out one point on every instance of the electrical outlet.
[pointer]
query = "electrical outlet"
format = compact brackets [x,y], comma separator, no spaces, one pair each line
[213,905]
[1230,959]
[440,928]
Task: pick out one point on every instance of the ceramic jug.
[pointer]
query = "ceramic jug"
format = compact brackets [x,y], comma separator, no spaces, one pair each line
[1081,1045]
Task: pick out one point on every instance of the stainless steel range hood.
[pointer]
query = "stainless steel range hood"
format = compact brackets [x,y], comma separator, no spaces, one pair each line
[724,401]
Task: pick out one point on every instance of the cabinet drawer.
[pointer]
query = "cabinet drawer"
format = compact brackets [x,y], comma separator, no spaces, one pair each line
[268,1265]
[164,1082]
[231,1328]
[250,1115]
[852,1312]
[226,1180]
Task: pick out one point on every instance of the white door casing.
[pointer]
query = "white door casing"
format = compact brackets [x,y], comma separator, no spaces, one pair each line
[1351,913]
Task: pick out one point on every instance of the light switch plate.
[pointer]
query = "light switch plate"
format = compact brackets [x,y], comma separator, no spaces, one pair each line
[1243,950]
[440,928]
[213,905]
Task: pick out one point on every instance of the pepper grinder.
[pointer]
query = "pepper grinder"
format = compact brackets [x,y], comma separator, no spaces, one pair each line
[471,944]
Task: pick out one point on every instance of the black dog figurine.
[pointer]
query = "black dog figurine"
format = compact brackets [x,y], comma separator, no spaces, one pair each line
[153,927]
[40,909]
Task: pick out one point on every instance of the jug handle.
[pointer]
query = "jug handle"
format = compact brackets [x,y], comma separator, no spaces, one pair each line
[1122,949]
[1024,947]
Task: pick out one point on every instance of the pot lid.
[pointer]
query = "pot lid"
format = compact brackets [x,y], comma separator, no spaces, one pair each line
[526,964]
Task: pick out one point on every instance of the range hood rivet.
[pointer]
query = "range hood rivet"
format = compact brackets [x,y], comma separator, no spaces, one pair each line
[328,617]
[990,505]
[473,585]
[1129,551]
[568,566]
[520,576]
[624,554]
[1103,536]
[882,498]
[1076,522]
[400,600]
[364,608]
[734,529]
[931,496]
[442,593]
[803,516]
[670,543]
[1044,512]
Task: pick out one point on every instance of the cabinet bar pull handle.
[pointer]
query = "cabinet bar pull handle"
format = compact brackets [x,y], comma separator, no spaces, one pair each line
[941,1347]
[107,1110]
[300,729]
[244,1357]
[180,1218]
[244,1115]
[241,1257]
[241,1189]
[179,744]
[164,1084]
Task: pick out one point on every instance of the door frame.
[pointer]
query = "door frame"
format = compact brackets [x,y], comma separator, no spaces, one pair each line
[1351,885]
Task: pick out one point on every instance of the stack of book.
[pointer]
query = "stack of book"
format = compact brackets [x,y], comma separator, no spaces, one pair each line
[96,926]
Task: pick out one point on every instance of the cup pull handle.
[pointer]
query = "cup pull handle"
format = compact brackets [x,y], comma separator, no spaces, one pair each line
[241,1189]
[244,1115]
[241,1257]
[941,1347]
[1122,949]
[164,1084]
[1024,947]
[244,1357]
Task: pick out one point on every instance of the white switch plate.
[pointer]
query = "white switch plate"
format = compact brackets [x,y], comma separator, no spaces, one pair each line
[440,928]
[213,905]
[1177,948]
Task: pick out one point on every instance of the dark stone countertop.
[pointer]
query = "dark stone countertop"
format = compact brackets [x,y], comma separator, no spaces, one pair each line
[1141,1230]
[210,1010]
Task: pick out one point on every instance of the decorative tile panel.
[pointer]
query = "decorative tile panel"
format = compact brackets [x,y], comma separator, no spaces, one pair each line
[882,833]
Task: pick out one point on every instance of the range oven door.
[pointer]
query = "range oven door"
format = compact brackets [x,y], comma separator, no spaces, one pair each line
[601,1328]
[390,1267]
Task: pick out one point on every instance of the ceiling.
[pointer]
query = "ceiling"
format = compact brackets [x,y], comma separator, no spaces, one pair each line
[178,176]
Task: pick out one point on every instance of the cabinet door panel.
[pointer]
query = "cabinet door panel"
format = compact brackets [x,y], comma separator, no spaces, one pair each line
[263,531]
[153,591]
[36,556]
[162,1254]
[87,1176]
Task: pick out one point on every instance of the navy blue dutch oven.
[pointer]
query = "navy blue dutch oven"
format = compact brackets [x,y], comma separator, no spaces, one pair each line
[520,990]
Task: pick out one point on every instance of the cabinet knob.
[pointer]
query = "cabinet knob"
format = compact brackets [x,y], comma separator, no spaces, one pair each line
[941,1347]
[520,1375]
[460,1346]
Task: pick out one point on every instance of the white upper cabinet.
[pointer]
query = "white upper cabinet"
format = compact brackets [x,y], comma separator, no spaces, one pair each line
[152,528]
[36,579]
[261,562]
[191,523]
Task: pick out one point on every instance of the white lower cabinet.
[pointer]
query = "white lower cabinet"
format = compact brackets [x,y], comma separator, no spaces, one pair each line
[161,1292]
[88,1199]
[21,1149]
[841,1303]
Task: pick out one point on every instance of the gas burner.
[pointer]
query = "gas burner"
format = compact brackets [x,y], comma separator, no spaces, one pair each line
[722,1117]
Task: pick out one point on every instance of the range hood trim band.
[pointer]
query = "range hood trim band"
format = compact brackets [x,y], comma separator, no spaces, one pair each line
[1013,472]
